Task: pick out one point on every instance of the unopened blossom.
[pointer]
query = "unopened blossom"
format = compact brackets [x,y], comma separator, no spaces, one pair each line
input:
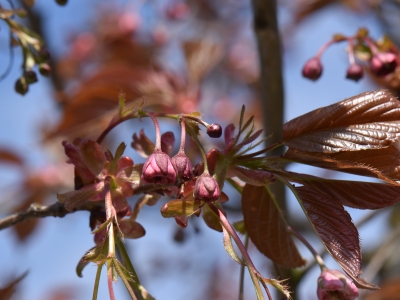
[183,167]
[355,72]
[206,188]
[159,169]
[334,285]
[383,64]
[92,166]
[312,69]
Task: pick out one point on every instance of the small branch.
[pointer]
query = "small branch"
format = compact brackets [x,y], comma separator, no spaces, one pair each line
[58,210]
[36,211]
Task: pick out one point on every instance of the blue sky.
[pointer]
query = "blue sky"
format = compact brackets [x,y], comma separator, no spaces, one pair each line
[52,254]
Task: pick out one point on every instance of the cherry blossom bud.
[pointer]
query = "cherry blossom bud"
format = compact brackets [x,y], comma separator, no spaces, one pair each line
[206,188]
[333,284]
[44,69]
[21,86]
[30,76]
[183,167]
[158,169]
[383,64]
[312,69]
[214,130]
[44,54]
[355,72]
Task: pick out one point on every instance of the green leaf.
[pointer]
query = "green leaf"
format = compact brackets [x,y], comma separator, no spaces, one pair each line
[181,207]
[240,227]
[211,219]
[229,247]
[96,254]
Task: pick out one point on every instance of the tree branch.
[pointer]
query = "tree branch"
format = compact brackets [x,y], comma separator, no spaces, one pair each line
[35,211]
[58,210]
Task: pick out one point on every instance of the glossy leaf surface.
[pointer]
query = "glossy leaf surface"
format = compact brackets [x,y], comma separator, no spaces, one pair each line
[336,230]
[366,121]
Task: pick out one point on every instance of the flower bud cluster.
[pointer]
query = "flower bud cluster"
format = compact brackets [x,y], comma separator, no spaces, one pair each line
[382,59]
[159,168]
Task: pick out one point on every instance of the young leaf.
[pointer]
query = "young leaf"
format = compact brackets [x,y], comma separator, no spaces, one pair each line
[142,144]
[336,230]
[229,247]
[96,254]
[267,227]
[211,219]
[356,194]
[378,163]
[365,121]
[180,207]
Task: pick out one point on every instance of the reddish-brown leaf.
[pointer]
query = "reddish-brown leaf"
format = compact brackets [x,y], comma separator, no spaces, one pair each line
[378,163]
[366,121]
[7,291]
[336,230]
[8,156]
[356,194]
[267,227]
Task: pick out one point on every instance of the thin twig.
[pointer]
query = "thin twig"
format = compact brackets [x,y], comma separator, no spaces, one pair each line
[35,211]
[58,210]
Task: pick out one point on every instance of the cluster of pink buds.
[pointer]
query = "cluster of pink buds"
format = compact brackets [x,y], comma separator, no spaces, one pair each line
[380,56]
[159,168]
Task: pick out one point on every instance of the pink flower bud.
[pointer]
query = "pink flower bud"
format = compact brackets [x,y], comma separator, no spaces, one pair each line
[312,69]
[159,169]
[333,284]
[183,167]
[206,188]
[214,130]
[383,64]
[355,72]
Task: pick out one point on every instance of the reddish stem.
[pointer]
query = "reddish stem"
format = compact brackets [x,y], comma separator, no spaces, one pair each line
[110,283]
[158,134]
[183,136]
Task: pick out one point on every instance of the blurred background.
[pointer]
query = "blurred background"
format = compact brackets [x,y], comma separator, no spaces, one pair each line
[182,56]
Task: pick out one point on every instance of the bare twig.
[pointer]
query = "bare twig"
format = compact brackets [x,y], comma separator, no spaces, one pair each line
[58,210]
[33,212]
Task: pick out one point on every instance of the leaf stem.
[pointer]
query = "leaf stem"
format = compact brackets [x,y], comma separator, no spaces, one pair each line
[241,280]
[318,258]
[97,282]
[109,279]
[254,274]
[126,260]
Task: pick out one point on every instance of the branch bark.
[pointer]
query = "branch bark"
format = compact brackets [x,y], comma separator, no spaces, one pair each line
[58,210]
[271,85]
[35,211]
[271,81]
